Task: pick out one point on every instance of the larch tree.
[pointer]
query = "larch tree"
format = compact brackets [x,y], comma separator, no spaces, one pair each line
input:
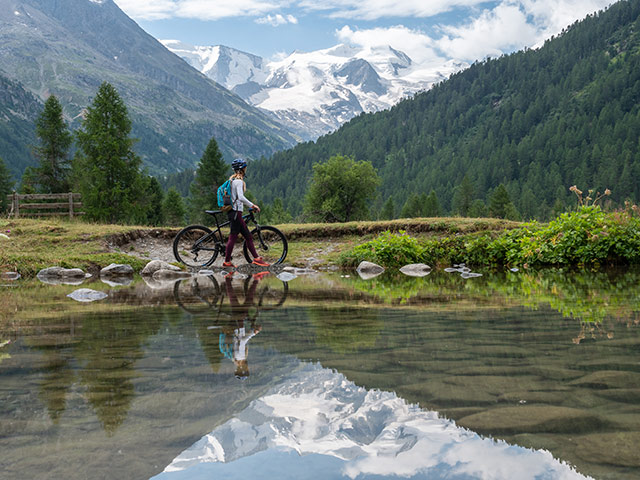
[106,168]
[211,172]
[52,173]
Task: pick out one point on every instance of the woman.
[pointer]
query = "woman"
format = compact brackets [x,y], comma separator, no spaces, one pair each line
[238,201]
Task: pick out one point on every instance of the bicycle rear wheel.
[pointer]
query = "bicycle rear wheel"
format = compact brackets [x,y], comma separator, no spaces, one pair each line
[197,294]
[195,246]
[270,243]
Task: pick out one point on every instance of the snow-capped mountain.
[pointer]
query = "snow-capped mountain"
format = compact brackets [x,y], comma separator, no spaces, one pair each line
[313,93]
[316,420]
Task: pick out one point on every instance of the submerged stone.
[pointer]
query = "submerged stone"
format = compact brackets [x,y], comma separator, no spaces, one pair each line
[532,419]
[87,295]
[615,448]
[609,379]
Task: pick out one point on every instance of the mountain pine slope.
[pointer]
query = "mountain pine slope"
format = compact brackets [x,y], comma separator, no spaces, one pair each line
[18,112]
[538,121]
[69,47]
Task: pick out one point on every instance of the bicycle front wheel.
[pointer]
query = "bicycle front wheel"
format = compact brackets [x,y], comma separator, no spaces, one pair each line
[270,243]
[195,246]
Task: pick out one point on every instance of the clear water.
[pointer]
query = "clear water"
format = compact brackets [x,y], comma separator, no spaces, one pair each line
[509,375]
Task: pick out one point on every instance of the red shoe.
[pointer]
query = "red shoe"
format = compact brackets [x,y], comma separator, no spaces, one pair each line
[259,261]
[228,265]
[260,275]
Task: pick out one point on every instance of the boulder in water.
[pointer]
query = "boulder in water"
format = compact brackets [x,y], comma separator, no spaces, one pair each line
[116,270]
[416,270]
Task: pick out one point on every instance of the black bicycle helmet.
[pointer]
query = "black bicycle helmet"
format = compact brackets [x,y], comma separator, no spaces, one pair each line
[238,164]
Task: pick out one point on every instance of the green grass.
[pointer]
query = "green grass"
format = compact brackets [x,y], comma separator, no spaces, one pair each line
[35,244]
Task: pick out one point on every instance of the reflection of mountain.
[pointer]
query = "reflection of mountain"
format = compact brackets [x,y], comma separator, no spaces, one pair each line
[350,432]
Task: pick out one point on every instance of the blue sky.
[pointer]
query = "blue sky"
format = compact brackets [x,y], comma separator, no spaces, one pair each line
[463,30]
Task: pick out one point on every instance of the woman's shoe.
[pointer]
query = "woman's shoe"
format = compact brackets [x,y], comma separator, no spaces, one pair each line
[228,265]
[259,261]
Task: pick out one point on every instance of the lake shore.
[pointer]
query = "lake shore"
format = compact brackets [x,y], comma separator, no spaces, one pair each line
[34,244]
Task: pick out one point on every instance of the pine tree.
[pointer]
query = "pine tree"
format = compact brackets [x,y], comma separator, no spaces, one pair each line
[211,172]
[432,205]
[463,196]
[388,210]
[500,204]
[154,199]
[6,185]
[412,208]
[29,181]
[478,209]
[55,140]
[173,208]
[106,168]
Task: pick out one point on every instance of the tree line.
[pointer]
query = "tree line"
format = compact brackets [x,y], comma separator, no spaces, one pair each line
[106,170]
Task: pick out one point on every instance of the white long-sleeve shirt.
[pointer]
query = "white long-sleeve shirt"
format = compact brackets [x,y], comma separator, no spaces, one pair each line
[237,196]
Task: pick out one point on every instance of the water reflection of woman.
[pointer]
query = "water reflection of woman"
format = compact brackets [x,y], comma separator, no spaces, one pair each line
[239,316]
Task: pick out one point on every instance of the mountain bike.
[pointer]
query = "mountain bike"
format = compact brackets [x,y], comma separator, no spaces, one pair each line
[198,246]
[202,294]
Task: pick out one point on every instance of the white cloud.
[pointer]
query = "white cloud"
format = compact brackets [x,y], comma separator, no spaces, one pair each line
[412,42]
[277,20]
[197,9]
[551,16]
[502,29]
[148,10]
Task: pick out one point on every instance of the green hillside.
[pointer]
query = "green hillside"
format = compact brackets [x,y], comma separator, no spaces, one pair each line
[538,121]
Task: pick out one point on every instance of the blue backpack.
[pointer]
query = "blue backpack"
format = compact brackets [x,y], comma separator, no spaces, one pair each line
[224,196]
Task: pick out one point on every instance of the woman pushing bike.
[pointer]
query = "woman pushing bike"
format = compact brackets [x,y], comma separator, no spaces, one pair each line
[238,225]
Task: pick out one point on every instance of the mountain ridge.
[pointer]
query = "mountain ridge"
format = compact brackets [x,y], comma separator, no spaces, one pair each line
[314,93]
[68,47]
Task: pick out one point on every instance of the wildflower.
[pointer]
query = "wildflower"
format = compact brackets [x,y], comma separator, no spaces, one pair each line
[607,192]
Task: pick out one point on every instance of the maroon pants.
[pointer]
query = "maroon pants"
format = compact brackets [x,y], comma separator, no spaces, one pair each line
[238,226]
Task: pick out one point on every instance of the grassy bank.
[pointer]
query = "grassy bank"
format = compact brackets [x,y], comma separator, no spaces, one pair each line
[34,244]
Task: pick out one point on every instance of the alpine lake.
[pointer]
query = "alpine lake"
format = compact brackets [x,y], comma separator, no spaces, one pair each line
[508,375]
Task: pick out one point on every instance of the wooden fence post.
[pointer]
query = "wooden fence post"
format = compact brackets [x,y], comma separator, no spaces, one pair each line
[16,204]
[70,205]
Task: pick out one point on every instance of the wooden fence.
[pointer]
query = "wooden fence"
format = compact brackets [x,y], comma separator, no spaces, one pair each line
[44,204]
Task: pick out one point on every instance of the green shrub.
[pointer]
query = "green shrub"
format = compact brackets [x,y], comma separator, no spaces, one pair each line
[388,249]
[587,236]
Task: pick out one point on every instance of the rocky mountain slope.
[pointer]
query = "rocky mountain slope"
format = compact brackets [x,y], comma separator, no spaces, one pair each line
[18,111]
[68,47]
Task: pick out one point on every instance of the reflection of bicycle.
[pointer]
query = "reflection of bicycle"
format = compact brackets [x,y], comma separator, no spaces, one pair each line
[201,294]
[198,246]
